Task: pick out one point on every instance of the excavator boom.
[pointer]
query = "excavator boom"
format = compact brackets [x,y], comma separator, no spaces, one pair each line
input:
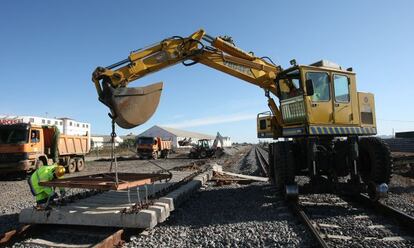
[321,111]
[131,107]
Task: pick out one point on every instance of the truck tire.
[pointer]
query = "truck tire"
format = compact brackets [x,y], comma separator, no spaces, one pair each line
[80,164]
[71,166]
[39,163]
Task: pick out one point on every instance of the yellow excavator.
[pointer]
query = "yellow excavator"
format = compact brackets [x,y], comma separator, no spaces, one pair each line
[321,124]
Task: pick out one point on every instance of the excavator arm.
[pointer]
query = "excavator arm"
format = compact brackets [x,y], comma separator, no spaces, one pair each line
[131,107]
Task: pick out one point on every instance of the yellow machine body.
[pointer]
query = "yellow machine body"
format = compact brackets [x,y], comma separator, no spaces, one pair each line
[316,104]
[335,108]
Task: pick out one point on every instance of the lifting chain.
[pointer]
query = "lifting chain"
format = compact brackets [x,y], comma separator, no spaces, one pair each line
[113,155]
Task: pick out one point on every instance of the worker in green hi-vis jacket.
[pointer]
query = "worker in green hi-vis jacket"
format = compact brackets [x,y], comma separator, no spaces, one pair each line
[45,173]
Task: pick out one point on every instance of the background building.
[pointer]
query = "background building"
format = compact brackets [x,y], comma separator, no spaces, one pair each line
[65,125]
[104,141]
[97,142]
[175,135]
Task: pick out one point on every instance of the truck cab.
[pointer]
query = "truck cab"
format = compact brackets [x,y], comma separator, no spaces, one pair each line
[152,147]
[26,147]
[21,147]
[145,146]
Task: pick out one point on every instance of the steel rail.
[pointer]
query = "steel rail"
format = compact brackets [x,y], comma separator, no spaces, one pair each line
[298,211]
[263,163]
[114,239]
[295,207]
[10,236]
[404,220]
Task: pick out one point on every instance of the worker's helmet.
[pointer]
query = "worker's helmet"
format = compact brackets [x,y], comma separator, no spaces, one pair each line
[59,171]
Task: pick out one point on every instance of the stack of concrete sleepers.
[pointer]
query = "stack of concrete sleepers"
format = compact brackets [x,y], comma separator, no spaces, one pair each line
[108,208]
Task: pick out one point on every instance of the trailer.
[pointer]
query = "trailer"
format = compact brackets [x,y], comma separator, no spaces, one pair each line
[26,147]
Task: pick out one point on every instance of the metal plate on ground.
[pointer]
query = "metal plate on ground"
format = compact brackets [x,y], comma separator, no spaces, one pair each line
[106,181]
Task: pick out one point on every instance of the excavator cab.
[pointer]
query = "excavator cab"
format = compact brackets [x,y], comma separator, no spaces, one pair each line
[264,125]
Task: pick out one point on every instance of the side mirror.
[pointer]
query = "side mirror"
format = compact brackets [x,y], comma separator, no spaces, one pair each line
[309,87]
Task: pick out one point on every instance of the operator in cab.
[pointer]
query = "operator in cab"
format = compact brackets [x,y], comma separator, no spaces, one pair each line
[43,194]
[33,137]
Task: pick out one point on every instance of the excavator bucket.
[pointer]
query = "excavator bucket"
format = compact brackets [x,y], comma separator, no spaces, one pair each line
[134,106]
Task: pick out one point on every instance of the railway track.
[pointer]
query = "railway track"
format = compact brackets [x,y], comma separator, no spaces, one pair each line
[363,221]
[64,236]
[262,159]
[356,220]
[47,235]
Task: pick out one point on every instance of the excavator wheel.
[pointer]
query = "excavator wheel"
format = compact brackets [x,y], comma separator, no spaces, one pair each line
[375,163]
[284,165]
[203,154]
[71,167]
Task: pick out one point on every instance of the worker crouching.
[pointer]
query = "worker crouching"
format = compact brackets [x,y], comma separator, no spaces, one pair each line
[43,194]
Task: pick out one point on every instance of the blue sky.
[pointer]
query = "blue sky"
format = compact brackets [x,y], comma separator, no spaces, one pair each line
[49,49]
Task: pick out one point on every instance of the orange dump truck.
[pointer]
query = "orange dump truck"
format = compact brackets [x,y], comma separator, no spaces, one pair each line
[25,147]
[153,147]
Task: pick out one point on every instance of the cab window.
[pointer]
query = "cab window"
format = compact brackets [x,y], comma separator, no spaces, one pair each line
[321,89]
[262,124]
[289,85]
[34,136]
[341,86]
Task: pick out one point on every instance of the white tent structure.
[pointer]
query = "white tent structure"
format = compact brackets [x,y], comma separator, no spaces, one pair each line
[175,135]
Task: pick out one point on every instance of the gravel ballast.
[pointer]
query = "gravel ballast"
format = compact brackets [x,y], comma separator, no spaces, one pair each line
[229,216]
[235,215]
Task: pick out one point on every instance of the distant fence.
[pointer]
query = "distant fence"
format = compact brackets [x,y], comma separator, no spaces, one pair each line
[400,144]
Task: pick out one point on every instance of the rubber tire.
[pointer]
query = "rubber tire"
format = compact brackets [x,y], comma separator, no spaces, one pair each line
[284,165]
[71,167]
[80,164]
[375,164]
[203,154]
[39,163]
[271,168]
